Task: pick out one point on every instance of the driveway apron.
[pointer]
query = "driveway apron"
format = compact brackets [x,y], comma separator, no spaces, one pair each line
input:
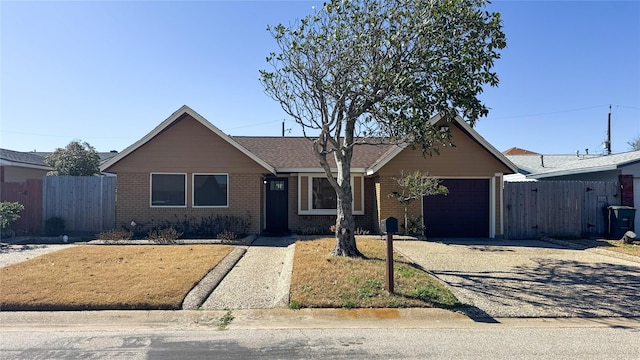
[260,280]
[529,278]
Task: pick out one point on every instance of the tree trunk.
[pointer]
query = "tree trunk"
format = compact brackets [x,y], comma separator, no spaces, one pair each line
[345,224]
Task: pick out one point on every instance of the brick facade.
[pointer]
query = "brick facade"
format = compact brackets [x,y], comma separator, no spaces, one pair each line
[133,202]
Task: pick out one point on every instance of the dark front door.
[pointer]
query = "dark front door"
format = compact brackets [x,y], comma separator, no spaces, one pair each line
[277,205]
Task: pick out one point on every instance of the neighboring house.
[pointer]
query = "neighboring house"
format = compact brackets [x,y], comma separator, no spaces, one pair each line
[16,166]
[622,167]
[188,168]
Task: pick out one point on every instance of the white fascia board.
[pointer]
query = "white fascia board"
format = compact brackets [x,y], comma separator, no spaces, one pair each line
[4,162]
[316,170]
[573,171]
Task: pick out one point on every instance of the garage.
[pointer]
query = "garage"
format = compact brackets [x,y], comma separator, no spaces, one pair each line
[464,213]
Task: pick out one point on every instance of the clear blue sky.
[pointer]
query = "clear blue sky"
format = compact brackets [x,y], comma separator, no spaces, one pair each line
[108,72]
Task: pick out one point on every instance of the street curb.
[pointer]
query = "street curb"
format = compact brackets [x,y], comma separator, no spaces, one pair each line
[199,294]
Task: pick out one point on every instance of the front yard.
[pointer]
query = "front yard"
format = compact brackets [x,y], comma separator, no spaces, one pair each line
[108,277]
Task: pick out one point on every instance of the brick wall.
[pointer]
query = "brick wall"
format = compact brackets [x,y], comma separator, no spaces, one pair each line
[133,203]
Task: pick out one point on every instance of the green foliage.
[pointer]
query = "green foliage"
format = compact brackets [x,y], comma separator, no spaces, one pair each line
[295,305]
[225,320]
[76,159]
[413,186]
[9,214]
[357,71]
[54,226]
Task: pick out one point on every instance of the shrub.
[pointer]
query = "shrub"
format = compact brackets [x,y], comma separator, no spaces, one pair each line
[54,226]
[164,236]
[227,235]
[116,235]
[8,215]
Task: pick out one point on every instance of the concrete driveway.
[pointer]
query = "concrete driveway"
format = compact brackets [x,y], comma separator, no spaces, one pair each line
[529,278]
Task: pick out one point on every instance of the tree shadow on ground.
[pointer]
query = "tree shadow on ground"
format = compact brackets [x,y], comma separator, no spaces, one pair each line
[553,288]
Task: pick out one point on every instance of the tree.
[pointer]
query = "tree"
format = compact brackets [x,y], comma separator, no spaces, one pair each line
[634,143]
[358,71]
[75,160]
[413,186]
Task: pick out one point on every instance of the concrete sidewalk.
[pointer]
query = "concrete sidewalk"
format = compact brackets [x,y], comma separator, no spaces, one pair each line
[259,280]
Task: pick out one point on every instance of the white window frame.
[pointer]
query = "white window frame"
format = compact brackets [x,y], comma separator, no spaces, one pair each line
[151,190]
[311,210]
[193,191]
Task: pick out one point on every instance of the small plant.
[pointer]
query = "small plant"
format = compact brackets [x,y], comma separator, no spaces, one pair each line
[54,226]
[225,320]
[8,216]
[370,288]
[164,236]
[115,235]
[295,305]
[427,293]
[361,231]
[415,225]
[227,235]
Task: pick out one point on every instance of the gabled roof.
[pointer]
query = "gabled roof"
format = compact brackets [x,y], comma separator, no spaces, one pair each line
[295,154]
[543,166]
[519,151]
[22,159]
[170,120]
[466,128]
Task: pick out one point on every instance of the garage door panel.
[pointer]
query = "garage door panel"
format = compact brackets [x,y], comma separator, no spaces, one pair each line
[462,213]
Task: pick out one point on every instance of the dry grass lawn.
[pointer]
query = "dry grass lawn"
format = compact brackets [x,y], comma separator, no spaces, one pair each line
[321,280]
[108,277]
[611,245]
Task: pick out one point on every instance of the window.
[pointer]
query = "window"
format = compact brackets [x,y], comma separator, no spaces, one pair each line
[210,190]
[169,190]
[323,195]
[316,196]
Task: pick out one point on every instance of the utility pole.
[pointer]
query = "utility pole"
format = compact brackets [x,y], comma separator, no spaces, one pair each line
[609,132]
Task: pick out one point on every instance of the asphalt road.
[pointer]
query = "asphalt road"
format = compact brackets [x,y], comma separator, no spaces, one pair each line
[446,339]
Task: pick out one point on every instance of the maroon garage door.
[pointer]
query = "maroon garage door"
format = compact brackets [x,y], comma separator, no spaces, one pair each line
[462,213]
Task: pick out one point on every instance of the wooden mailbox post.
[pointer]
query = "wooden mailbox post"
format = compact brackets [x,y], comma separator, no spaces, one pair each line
[389,226]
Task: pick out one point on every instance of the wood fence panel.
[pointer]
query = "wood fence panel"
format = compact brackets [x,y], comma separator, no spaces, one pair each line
[29,194]
[86,203]
[558,208]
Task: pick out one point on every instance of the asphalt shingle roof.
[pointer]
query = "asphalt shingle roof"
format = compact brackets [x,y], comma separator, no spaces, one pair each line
[27,158]
[297,152]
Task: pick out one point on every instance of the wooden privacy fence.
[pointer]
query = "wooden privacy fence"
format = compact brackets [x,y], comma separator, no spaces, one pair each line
[29,194]
[86,203]
[558,208]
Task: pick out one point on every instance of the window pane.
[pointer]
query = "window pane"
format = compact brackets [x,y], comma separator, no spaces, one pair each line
[324,196]
[168,189]
[210,190]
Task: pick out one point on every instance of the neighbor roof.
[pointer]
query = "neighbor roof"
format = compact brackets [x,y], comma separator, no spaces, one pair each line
[22,159]
[519,151]
[542,166]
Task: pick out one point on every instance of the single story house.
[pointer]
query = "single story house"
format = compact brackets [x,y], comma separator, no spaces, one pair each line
[17,166]
[622,167]
[187,167]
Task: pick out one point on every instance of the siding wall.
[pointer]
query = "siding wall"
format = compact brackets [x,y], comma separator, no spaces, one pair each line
[188,147]
[468,159]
